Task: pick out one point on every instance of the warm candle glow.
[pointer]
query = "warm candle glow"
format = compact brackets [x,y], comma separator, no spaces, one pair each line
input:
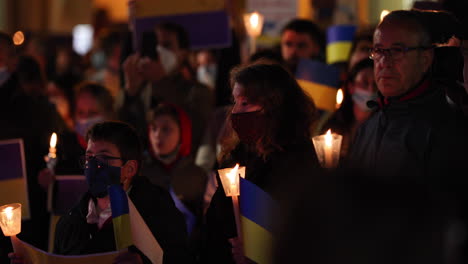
[339,98]
[18,38]
[9,212]
[230,179]
[53,140]
[328,139]
[383,14]
[253,24]
[10,219]
[254,20]
[232,175]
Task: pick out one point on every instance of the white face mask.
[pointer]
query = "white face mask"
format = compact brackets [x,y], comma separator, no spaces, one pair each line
[167,58]
[206,74]
[361,97]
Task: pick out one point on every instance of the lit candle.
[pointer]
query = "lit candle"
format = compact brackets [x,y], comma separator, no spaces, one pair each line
[253,24]
[10,219]
[51,157]
[230,182]
[339,98]
[328,149]
[53,143]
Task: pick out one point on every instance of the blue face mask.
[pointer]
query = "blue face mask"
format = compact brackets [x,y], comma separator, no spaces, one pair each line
[99,176]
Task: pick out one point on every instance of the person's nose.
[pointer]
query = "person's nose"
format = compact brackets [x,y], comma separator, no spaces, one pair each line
[387,60]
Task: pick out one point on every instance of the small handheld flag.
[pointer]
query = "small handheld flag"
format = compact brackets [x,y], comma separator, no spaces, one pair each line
[120,217]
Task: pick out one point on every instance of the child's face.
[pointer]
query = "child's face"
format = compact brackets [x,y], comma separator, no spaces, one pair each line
[164,135]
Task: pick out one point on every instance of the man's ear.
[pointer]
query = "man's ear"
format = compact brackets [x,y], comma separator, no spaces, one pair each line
[131,168]
[428,58]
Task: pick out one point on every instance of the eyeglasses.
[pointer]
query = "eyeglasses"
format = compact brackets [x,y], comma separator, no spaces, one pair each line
[102,160]
[395,53]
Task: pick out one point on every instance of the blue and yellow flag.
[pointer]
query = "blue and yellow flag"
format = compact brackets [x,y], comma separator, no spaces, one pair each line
[256,209]
[120,217]
[339,41]
[320,81]
[13,182]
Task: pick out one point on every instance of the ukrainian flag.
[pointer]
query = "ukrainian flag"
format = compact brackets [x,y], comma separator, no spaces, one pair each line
[13,183]
[256,209]
[196,16]
[120,217]
[321,82]
[339,41]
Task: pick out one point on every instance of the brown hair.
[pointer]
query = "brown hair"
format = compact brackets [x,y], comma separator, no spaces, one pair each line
[289,112]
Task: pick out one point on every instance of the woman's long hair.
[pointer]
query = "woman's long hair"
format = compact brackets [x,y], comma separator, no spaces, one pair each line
[288,111]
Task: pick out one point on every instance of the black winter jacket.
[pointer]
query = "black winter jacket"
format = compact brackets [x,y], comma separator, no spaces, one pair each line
[74,236]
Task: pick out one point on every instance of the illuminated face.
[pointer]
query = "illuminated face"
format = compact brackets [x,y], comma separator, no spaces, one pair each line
[164,135]
[241,103]
[295,45]
[396,76]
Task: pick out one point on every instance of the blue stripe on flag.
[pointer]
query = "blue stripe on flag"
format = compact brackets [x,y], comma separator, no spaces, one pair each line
[340,33]
[256,204]
[10,161]
[119,201]
[318,72]
[196,25]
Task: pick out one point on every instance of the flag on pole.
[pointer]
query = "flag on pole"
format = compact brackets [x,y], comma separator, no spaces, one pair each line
[120,217]
[256,209]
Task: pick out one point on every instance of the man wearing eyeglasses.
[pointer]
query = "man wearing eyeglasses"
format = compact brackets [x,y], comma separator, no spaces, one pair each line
[114,156]
[415,136]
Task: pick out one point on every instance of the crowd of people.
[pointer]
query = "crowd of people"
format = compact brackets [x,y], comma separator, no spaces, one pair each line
[161,124]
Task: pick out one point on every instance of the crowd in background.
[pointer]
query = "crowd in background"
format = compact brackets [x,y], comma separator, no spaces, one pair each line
[395,198]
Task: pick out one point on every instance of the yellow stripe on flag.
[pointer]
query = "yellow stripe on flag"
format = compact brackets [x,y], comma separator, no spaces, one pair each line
[324,96]
[150,8]
[338,51]
[124,240]
[257,241]
[15,191]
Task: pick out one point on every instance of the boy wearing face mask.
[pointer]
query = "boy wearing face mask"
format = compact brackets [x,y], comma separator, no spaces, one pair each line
[114,156]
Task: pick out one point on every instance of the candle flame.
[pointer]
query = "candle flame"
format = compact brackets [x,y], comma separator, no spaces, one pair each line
[328,138]
[383,14]
[9,212]
[53,140]
[232,174]
[254,20]
[339,97]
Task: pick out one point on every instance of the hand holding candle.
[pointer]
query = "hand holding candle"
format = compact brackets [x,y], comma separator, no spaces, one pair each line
[328,148]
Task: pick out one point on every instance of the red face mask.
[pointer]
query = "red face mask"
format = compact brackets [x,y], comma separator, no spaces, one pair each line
[249,126]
